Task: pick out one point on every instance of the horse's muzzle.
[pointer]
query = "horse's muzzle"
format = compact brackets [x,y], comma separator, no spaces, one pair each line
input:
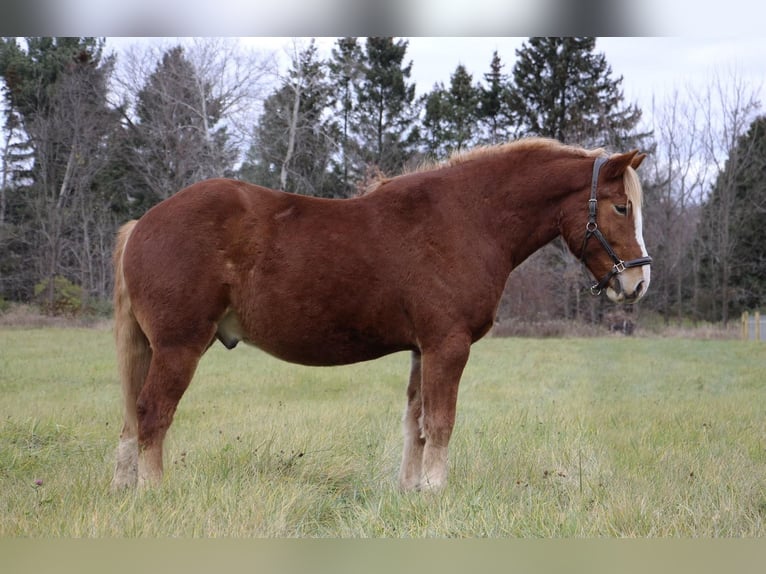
[629,286]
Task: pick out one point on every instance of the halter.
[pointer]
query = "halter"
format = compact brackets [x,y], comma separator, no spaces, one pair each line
[592,230]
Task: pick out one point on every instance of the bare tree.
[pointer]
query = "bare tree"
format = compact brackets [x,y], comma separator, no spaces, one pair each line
[302,80]
[189,109]
[69,150]
[5,166]
[728,106]
[237,79]
[678,175]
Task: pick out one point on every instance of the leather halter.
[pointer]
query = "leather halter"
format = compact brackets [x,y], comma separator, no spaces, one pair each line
[592,230]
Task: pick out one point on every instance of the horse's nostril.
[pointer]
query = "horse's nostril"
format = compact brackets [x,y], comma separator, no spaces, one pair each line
[639,288]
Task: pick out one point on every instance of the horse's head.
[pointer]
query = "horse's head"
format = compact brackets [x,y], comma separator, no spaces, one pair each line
[605,228]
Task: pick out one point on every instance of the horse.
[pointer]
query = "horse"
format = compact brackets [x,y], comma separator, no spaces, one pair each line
[417,263]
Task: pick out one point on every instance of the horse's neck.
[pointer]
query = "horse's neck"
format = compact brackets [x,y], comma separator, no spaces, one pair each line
[522,214]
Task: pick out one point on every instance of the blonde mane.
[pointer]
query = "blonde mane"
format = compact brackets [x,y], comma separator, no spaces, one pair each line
[632,184]
[485,151]
[526,144]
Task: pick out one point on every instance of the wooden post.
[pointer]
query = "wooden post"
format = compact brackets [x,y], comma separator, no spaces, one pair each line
[758,326]
[744,330]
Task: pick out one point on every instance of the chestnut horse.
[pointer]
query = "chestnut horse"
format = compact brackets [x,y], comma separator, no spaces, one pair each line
[416,264]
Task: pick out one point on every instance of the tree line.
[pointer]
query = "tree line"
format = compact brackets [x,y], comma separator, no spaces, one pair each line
[91,139]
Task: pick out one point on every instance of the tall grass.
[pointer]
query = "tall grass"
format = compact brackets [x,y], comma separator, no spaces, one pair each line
[598,437]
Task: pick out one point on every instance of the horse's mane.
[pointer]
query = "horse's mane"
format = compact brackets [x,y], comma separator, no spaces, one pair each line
[632,184]
[526,144]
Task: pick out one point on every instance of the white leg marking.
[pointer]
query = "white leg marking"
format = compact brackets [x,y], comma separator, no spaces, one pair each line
[412,459]
[126,469]
[434,468]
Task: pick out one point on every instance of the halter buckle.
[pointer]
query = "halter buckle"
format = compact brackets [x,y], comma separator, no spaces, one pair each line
[619,267]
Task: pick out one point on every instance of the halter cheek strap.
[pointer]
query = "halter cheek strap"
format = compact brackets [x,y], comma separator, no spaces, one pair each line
[592,230]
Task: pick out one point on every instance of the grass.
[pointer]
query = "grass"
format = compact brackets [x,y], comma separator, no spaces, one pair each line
[604,437]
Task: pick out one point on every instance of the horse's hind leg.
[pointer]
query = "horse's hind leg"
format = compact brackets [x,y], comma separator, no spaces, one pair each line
[126,467]
[134,355]
[170,373]
[412,454]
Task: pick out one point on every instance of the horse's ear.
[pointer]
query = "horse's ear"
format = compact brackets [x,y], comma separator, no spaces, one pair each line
[619,162]
[637,160]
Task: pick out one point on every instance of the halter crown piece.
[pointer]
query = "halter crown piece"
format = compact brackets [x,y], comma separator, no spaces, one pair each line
[592,230]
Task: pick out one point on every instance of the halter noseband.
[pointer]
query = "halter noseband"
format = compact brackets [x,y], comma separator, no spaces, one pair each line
[592,230]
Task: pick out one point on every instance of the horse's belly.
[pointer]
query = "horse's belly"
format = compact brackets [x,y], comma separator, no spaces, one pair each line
[317,343]
[341,348]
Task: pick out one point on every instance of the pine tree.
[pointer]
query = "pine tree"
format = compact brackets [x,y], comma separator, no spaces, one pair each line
[749,252]
[732,234]
[435,132]
[385,127]
[451,116]
[464,99]
[494,111]
[345,72]
[563,89]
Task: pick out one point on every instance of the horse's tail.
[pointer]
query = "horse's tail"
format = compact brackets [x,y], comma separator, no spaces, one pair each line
[133,357]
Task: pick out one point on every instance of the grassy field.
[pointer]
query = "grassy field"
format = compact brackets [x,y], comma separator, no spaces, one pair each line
[605,437]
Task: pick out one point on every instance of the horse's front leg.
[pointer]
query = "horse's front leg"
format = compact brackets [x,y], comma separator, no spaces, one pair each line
[442,367]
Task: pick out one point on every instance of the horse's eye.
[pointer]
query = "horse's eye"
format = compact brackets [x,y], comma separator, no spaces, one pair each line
[621,209]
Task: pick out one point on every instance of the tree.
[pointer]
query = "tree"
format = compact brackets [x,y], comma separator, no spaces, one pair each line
[12,244]
[178,135]
[674,184]
[732,231]
[235,78]
[293,142]
[345,71]
[494,112]
[451,116]
[728,106]
[563,89]
[435,128]
[385,126]
[56,93]
[749,250]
